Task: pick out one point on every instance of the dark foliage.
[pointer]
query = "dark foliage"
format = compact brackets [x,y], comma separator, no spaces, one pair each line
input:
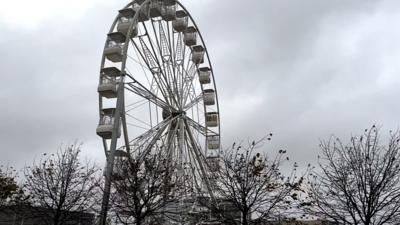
[10,192]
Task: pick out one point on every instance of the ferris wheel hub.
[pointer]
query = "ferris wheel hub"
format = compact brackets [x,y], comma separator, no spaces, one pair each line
[178,113]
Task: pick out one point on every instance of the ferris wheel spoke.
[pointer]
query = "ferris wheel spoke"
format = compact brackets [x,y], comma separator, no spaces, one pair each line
[170,40]
[139,120]
[164,52]
[142,91]
[150,132]
[158,40]
[194,102]
[185,72]
[153,141]
[193,166]
[185,155]
[149,57]
[148,81]
[188,81]
[135,105]
[181,73]
[171,33]
[145,101]
[170,141]
[152,85]
[162,49]
[149,60]
[160,71]
[156,101]
[165,45]
[172,68]
[145,67]
[137,126]
[141,64]
[180,59]
[180,48]
[188,53]
[179,150]
[198,127]
[149,138]
[150,144]
[172,77]
[200,158]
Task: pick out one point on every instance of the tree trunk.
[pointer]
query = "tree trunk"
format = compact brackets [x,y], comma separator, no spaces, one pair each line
[368,221]
[56,219]
[138,221]
[245,218]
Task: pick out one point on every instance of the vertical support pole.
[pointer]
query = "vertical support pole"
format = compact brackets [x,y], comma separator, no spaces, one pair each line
[111,155]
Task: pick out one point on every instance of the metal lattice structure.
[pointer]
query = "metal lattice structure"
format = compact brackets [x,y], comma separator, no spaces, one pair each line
[157,92]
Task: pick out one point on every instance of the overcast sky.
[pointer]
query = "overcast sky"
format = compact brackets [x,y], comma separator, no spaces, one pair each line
[302,69]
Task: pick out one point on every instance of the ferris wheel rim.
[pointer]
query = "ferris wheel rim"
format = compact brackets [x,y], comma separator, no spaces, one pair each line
[112,84]
[126,46]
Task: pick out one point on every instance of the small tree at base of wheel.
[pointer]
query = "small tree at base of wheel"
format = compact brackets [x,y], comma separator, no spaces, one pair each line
[254,187]
[143,188]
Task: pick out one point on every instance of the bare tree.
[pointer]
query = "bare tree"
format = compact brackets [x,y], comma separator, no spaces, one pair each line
[359,182]
[253,184]
[143,188]
[61,185]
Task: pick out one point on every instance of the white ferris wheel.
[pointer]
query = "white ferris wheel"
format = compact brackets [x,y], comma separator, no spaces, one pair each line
[157,91]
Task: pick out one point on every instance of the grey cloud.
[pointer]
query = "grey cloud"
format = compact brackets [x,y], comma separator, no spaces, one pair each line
[51,75]
[300,69]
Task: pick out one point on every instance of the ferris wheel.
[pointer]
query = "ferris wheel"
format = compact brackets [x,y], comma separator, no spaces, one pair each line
[157,91]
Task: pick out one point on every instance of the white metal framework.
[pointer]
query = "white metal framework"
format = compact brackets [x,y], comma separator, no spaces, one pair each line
[157,92]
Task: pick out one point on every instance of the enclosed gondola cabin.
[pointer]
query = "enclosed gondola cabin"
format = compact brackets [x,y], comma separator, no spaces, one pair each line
[108,82]
[114,47]
[213,142]
[213,163]
[155,8]
[258,160]
[106,124]
[190,36]
[181,21]
[198,54]
[144,12]
[212,119]
[204,75]
[209,97]
[168,10]
[125,21]
[120,168]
